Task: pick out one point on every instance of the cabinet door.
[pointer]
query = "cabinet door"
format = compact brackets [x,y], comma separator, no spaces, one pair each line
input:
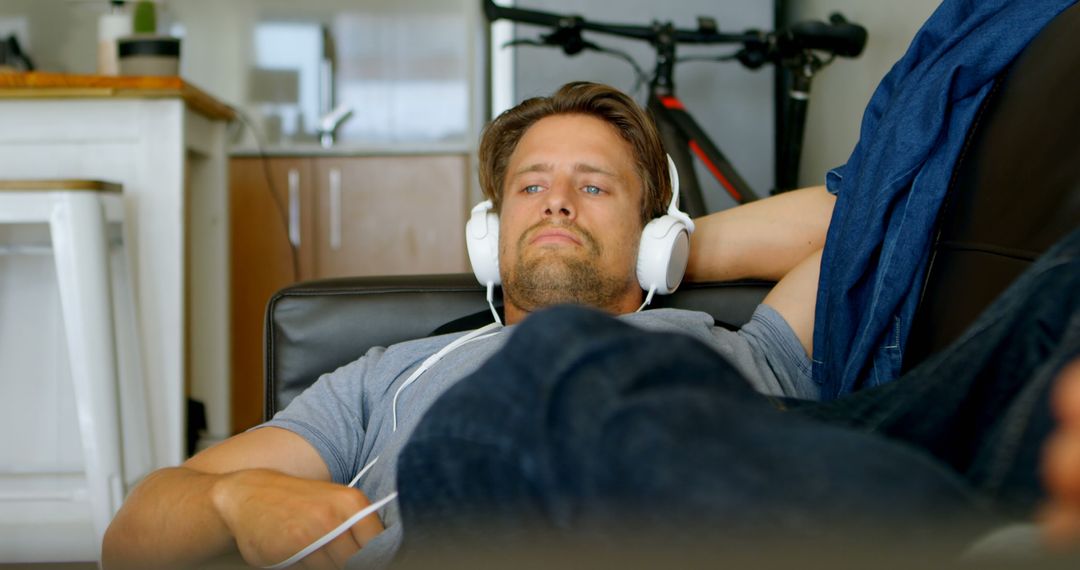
[391,215]
[269,211]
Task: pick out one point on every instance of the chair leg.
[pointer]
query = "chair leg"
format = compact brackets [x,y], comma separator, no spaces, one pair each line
[137,453]
[79,244]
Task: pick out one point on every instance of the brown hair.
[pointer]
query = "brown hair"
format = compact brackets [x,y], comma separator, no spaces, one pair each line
[606,103]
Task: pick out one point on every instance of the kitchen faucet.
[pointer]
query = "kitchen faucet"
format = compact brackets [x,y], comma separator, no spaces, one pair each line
[329,123]
[334,115]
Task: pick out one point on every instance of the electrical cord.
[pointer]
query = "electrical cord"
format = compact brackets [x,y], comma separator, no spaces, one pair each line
[294,255]
[639,74]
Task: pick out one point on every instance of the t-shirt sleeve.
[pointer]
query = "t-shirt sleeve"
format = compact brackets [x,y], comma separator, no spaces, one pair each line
[768,355]
[331,416]
[772,337]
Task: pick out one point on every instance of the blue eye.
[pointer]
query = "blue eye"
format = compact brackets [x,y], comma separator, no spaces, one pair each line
[532,189]
[594,190]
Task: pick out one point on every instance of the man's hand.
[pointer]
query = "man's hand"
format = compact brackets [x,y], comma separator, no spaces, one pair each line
[265,491]
[273,516]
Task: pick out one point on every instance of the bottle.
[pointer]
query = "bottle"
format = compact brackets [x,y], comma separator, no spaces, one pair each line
[112,25]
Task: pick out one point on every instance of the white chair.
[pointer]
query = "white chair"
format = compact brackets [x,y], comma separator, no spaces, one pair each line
[98,316]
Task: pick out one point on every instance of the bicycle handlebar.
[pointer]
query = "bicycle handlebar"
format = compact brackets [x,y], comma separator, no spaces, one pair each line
[551,20]
[838,36]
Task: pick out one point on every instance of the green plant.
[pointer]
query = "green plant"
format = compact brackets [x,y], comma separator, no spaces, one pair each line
[145,18]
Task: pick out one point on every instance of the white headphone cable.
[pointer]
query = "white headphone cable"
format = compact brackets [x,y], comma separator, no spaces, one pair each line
[362,471]
[321,541]
[366,511]
[491,301]
[431,360]
[648,299]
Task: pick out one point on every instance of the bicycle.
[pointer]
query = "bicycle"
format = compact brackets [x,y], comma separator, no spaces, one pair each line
[794,49]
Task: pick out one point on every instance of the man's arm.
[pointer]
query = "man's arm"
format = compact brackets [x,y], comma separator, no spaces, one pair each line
[795,298]
[780,239]
[765,239]
[265,492]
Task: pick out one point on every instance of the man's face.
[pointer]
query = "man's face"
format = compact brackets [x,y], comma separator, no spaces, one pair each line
[571,218]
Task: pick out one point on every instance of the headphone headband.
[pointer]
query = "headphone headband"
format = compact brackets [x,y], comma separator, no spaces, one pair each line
[673,207]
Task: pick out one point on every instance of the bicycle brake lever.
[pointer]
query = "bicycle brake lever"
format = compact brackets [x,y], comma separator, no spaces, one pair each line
[751,58]
[569,39]
[523,42]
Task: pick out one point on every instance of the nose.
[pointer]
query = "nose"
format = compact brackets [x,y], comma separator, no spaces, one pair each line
[559,201]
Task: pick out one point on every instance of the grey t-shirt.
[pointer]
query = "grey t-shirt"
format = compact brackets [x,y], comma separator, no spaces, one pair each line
[347,415]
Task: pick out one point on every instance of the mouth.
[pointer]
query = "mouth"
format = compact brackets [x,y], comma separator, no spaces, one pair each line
[554,236]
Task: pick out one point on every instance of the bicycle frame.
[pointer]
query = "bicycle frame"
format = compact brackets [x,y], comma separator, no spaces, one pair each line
[684,139]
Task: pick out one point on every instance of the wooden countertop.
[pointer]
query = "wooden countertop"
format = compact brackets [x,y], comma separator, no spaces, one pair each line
[61,185]
[34,85]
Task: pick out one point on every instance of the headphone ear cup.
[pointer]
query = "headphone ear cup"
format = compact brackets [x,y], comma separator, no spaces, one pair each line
[662,254]
[482,240]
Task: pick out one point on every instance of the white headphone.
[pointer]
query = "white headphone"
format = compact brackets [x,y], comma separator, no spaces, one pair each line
[662,255]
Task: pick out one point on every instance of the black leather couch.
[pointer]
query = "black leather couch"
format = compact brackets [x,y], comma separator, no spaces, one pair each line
[1015,191]
[314,327]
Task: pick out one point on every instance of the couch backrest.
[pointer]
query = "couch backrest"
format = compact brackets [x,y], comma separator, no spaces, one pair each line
[315,327]
[1015,191]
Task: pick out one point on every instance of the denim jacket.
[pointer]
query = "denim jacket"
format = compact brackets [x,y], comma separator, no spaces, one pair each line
[892,186]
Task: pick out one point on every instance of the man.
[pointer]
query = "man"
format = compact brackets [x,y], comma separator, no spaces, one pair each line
[582,426]
[574,178]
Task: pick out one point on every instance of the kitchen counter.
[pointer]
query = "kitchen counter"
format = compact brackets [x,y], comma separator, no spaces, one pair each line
[35,85]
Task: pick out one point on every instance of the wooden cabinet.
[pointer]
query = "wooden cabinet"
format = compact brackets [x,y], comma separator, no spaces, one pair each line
[295,219]
[390,215]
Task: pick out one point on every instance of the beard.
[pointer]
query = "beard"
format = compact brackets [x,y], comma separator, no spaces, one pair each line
[544,277]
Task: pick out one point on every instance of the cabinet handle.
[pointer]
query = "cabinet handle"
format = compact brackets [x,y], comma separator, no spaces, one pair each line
[294,207]
[335,209]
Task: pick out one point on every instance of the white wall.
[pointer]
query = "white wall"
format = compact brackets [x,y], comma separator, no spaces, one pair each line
[842,90]
[58,35]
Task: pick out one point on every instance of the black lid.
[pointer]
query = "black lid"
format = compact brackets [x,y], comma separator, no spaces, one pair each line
[159,46]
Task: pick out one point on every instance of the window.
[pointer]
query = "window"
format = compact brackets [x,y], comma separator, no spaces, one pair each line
[403,69]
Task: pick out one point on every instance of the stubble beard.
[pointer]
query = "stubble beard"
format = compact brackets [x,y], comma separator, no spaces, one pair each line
[550,277]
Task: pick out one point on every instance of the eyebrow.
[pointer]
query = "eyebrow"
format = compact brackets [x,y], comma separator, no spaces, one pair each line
[580,167]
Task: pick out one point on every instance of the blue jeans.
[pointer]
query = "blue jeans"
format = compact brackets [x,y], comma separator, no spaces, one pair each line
[583,426]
